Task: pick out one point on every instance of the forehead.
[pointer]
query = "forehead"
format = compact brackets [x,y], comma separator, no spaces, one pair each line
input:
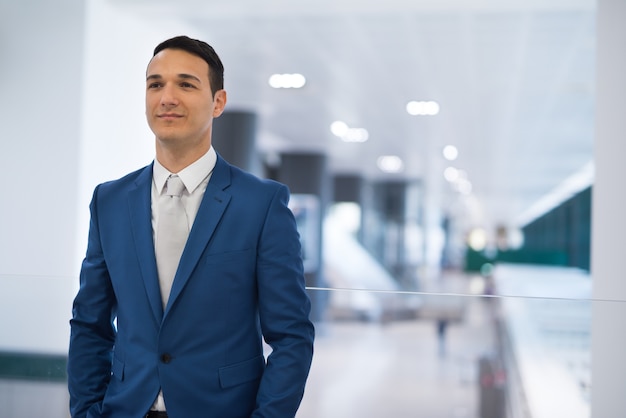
[175,62]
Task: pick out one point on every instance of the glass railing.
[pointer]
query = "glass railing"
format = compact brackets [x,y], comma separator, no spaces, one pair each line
[455,356]
[512,346]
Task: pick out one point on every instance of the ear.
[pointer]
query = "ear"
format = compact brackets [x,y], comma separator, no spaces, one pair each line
[219,102]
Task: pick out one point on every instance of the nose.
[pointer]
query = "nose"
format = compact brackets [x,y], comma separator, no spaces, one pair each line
[168,97]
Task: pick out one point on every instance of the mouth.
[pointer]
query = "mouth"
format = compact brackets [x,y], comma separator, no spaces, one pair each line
[169,116]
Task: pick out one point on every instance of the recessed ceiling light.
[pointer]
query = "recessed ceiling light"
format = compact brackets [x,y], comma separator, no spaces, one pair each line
[416,108]
[451,174]
[450,152]
[390,163]
[339,128]
[287,81]
[347,134]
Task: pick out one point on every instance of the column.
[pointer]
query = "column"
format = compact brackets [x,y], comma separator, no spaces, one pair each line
[608,219]
[306,176]
[390,215]
[234,138]
[349,188]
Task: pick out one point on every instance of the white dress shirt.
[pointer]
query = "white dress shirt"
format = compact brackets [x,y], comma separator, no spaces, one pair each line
[195,177]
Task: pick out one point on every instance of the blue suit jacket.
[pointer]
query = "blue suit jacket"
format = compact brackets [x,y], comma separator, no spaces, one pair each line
[240,279]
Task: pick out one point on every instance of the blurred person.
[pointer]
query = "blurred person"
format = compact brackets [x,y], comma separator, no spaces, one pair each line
[442,327]
[144,344]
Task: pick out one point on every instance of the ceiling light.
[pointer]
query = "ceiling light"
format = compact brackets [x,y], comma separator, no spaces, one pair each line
[287,81]
[451,174]
[342,130]
[450,152]
[390,163]
[339,128]
[458,179]
[429,108]
[356,135]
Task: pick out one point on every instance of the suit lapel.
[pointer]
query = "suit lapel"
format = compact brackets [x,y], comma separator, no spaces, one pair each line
[139,203]
[211,209]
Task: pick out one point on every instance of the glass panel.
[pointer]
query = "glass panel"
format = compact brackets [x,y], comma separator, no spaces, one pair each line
[421,362]
[454,356]
[449,354]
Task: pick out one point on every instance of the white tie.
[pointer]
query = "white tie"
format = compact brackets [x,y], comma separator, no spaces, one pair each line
[171,236]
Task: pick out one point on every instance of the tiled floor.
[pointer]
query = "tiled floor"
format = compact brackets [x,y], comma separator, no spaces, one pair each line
[398,370]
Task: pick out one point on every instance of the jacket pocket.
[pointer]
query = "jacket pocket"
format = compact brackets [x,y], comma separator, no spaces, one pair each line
[242,372]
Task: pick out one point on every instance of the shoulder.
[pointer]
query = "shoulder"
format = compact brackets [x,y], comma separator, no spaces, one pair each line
[241,179]
[137,178]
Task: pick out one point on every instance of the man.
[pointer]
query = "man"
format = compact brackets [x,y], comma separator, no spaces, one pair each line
[189,343]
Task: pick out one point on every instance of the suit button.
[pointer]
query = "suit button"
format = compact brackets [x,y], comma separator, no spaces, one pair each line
[166,358]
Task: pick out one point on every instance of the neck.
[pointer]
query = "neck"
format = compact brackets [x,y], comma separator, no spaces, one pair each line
[175,160]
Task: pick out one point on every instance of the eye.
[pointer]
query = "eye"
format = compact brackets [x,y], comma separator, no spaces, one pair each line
[187,85]
[154,85]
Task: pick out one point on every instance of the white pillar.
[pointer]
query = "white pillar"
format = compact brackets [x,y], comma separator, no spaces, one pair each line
[608,220]
[41,54]
[41,51]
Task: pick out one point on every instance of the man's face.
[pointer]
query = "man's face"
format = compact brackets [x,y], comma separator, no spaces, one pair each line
[180,106]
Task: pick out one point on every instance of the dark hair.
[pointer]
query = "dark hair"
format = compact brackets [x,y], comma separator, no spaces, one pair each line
[202,50]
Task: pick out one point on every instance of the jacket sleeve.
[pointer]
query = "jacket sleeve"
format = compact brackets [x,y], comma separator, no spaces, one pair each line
[284,309]
[92,328]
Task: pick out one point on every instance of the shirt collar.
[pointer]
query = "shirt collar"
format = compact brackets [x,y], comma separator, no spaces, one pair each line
[191,176]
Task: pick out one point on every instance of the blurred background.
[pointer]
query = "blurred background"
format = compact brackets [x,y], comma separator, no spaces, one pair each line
[443,159]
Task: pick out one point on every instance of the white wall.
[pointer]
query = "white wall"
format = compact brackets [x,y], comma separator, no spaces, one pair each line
[72,77]
[609,222]
[41,78]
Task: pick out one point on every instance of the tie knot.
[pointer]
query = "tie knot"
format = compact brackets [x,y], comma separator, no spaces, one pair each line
[174,186]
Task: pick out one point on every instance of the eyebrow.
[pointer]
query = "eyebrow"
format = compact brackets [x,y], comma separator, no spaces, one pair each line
[183,76]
